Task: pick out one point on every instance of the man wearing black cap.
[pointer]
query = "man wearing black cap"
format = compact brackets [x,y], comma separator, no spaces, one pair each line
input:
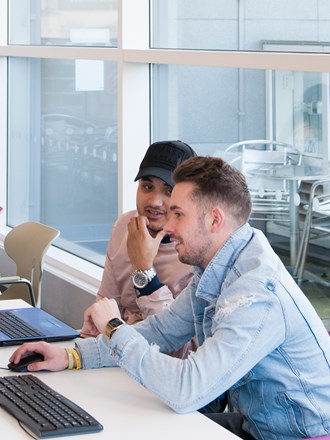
[142,270]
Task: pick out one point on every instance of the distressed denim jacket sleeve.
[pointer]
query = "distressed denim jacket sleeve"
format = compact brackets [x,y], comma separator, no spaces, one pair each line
[229,326]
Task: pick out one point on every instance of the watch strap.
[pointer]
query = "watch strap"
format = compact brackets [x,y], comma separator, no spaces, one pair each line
[151,287]
[149,274]
[111,328]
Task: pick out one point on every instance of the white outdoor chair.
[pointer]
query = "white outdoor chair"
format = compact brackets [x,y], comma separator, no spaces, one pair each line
[316,226]
[258,160]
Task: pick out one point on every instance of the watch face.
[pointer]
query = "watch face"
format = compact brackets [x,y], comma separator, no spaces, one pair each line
[115,322]
[140,280]
[112,326]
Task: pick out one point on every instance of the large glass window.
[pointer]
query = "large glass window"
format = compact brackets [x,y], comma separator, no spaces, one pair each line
[63,143]
[62,153]
[212,108]
[63,22]
[238,24]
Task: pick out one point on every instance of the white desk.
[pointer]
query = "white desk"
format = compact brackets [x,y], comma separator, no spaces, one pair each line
[123,407]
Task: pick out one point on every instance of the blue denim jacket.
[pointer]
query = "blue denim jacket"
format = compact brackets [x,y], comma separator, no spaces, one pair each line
[260,338]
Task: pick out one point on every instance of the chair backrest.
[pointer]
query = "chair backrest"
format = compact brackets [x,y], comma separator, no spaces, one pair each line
[317,221]
[263,155]
[26,244]
[263,151]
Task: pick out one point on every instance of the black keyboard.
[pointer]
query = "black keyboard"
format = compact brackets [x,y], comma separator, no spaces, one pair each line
[41,410]
[15,327]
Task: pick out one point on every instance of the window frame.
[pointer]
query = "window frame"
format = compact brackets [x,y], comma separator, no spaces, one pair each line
[134,58]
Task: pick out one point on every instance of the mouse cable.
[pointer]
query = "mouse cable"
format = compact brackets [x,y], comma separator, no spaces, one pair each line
[26,430]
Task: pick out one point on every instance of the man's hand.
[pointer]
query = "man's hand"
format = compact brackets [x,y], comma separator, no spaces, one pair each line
[55,358]
[142,248]
[98,315]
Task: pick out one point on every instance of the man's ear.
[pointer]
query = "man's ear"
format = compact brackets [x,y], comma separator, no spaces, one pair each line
[217,218]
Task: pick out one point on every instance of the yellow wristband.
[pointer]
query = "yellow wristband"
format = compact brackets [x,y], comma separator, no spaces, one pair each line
[70,358]
[76,356]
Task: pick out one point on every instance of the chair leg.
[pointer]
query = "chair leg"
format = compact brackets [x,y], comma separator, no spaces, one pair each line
[18,280]
[302,251]
[301,269]
[298,270]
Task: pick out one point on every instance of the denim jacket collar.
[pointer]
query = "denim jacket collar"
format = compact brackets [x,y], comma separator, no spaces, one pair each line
[216,270]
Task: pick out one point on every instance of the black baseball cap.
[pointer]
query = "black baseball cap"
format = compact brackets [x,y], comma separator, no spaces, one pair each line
[162,158]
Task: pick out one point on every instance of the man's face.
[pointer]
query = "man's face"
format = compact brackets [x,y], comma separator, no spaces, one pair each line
[187,227]
[153,201]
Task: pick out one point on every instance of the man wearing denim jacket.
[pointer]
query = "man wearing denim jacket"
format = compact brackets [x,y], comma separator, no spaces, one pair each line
[261,340]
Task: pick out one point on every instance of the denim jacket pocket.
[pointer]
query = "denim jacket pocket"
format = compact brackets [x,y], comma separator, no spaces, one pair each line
[291,411]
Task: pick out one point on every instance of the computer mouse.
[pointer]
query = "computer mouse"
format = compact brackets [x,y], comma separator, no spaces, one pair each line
[21,367]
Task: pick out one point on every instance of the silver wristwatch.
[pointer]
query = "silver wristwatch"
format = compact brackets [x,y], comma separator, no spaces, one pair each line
[141,278]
